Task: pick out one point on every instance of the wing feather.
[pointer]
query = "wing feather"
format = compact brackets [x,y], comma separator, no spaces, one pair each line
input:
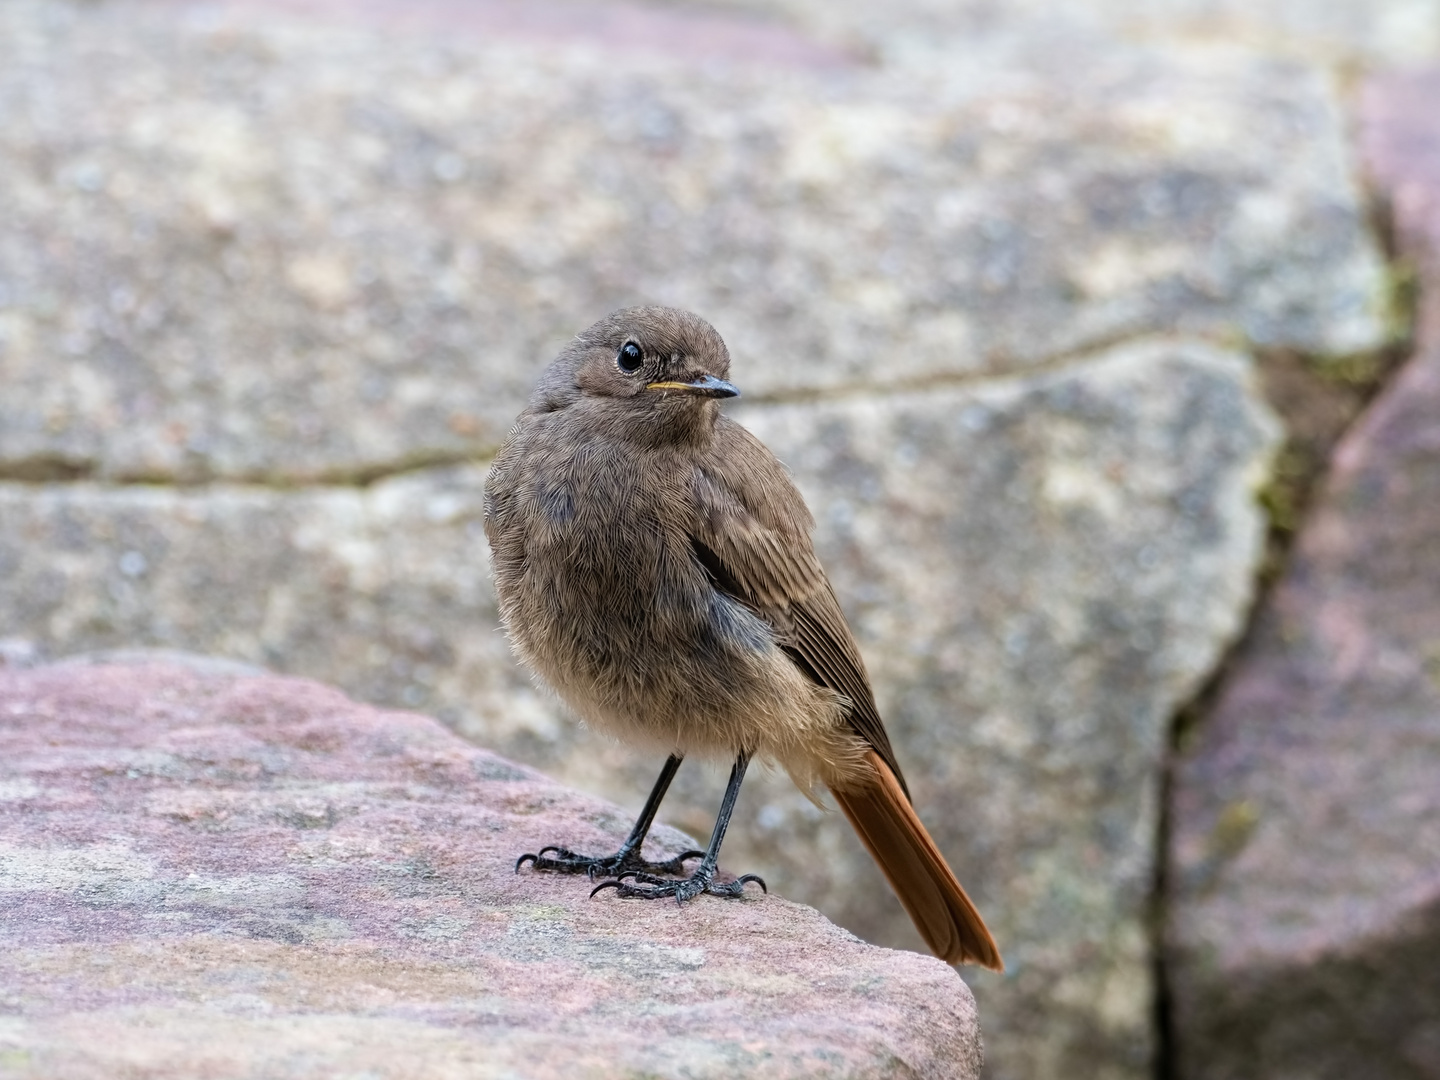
[752,535]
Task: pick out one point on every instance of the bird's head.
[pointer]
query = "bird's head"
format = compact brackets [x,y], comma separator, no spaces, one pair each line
[653,365]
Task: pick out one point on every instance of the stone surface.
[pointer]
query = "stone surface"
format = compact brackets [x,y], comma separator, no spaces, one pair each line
[927,32]
[1401,140]
[229,876]
[242,253]
[1305,889]
[1304,923]
[384,590]
[1374,32]
[1037,569]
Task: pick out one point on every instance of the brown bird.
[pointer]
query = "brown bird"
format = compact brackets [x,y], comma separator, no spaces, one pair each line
[654,566]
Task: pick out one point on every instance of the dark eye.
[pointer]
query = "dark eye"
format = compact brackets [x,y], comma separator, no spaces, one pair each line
[629,358]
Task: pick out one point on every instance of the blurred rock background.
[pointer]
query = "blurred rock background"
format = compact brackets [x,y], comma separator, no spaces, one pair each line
[1057,313]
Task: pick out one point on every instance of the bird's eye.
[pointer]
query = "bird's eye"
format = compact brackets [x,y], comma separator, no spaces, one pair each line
[629,358]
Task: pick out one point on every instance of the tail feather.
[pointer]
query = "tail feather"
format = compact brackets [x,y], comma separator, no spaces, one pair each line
[943,914]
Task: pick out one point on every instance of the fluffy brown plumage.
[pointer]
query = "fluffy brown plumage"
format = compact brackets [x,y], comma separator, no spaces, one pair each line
[654,566]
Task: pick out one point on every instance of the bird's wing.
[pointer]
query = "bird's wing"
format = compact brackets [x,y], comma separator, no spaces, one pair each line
[751,532]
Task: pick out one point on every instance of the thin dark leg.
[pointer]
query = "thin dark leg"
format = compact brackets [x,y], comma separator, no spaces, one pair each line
[648,887]
[628,857]
[652,806]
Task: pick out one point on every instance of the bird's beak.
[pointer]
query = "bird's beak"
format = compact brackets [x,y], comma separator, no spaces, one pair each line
[704,386]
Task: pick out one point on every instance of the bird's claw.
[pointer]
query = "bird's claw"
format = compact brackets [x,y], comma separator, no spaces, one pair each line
[743,879]
[637,885]
[564,861]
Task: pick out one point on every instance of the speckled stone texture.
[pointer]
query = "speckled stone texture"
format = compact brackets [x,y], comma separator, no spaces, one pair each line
[318,254]
[230,875]
[915,33]
[1305,864]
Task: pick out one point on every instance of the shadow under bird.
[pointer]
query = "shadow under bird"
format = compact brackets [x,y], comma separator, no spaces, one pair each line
[654,565]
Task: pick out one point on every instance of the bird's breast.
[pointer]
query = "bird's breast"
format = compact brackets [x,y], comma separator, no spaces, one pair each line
[607,600]
[605,584]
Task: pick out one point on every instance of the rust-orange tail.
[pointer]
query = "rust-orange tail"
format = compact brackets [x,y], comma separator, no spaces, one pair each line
[943,914]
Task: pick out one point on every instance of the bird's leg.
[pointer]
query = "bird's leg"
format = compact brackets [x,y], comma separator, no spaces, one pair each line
[628,858]
[645,886]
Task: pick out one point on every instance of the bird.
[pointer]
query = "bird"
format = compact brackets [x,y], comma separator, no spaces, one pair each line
[654,567]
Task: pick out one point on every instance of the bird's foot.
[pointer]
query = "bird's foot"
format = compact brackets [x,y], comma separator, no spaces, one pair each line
[637,885]
[564,861]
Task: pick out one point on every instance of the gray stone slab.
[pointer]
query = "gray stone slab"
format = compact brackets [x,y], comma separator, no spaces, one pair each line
[383,590]
[206,874]
[310,253]
[1039,570]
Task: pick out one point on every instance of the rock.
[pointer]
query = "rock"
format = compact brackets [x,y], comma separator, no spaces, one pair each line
[1340,32]
[1402,149]
[313,254]
[927,32]
[1037,569]
[206,873]
[384,590]
[1304,909]
[1304,887]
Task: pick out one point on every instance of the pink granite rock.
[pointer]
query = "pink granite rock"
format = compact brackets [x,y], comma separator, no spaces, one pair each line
[1401,140]
[205,872]
[1305,859]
